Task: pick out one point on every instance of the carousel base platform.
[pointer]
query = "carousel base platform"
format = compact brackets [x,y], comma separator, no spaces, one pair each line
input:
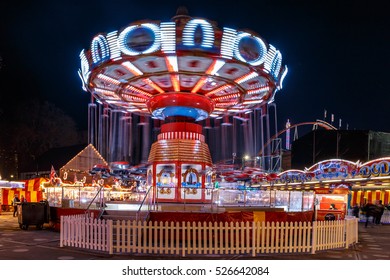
[176,212]
[212,213]
[189,207]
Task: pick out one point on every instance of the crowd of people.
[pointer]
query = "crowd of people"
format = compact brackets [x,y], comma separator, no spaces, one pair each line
[373,211]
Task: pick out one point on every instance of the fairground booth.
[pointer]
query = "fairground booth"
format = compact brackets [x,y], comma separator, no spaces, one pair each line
[87,181]
[327,189]
[30,189]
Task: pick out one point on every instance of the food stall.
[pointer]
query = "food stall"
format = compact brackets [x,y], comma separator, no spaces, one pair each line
[331,203]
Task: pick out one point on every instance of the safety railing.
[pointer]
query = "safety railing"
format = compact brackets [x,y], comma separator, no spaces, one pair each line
[147,204]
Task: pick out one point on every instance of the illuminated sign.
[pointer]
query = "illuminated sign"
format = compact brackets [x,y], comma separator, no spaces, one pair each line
[332,169]
[337,169]
[147,38]
[294,176]
[381,168]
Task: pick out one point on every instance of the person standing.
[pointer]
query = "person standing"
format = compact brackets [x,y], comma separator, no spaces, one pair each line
[15,203]
[370,210]
[356,210]
[379,213]
[23,199]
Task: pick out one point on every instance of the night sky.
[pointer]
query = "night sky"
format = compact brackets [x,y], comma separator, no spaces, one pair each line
[337,52]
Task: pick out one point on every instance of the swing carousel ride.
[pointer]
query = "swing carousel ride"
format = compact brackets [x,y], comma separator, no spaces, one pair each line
[181,72]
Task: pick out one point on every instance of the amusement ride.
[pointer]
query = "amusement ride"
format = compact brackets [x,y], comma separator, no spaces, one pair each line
[182,73]
[179,79]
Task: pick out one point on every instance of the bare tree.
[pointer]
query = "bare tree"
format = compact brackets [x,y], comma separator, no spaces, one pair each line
[32,128]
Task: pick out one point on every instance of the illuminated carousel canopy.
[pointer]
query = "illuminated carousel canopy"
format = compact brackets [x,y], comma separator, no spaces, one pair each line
[186,67]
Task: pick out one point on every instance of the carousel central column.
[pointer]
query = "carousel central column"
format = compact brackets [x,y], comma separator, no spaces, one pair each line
[179,161]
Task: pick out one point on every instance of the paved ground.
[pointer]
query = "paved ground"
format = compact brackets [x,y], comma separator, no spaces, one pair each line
[33,244]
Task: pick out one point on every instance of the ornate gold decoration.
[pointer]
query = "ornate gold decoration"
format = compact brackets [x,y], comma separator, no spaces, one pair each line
[187,172]
[180,150]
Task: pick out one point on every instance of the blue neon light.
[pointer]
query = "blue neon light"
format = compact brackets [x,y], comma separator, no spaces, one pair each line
[182,111]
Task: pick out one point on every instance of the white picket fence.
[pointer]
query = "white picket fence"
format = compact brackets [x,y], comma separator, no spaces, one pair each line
[207,238]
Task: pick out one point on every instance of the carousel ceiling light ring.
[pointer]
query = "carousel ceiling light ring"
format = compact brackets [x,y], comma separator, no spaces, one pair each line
[108,79]
[285,71]
[269,58]
[84,84]
[127,35]
[135,90]
[153,85]
[214,68]
[172,63]
[246,77]
[99,49]
[207,33]
[129,66]
[176,82]
[168,37]
[241,49]
[112,39]
[85,70]
[276,64]
[258,90]
[228,42]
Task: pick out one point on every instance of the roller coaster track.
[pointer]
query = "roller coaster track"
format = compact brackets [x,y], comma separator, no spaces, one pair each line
[316,124]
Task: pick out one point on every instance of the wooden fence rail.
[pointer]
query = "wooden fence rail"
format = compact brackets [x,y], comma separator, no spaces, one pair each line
[201,238]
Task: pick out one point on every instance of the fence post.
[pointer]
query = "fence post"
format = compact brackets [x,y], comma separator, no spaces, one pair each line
[356,231]
[61,231]
[110,237]
[314,237]
[183,239]
[254,241]
[347,235]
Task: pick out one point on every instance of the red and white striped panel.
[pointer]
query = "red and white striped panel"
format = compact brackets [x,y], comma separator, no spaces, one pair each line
[181,135]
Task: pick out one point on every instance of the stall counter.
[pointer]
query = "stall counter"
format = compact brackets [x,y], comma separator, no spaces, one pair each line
[330,215]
